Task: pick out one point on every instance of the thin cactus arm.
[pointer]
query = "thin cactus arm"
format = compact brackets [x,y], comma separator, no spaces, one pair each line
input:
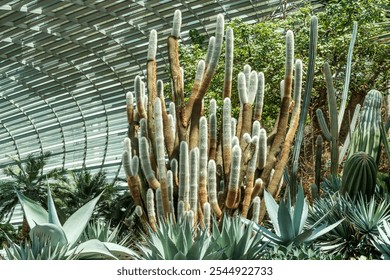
[284,108]
[323,125]
[307,98]
[344,96]
[352,127]
[227,84]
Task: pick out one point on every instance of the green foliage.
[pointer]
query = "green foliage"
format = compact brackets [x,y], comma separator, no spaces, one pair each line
[27,177]
[262,46]
[49,239]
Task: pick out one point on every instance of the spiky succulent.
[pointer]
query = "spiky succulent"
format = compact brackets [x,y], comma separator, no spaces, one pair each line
[178,241]
[50,239]
[382,242]
[289,221]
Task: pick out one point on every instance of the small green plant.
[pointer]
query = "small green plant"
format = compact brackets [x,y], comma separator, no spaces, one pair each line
[382,243]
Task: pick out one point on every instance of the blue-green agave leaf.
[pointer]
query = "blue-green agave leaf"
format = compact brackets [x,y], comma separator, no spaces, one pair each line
[76,223]
[321,230]
[34,213]
[120,252]
[273,209]
[285,223]
[301,210]
[49,232]
[53,217]
[92,249]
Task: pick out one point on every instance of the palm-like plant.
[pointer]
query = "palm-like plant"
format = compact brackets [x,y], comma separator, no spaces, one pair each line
[28,177]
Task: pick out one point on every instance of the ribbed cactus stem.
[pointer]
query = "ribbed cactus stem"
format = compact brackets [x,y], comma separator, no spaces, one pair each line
[250,177]
[232,193]
[344,95]
[167,128]
[146,165]
[194,164]
[252,87]
[207,215]
[129,107]
[159,206]
[175,173]
[318,160]
[306,99]
[262,149]
[213,136]
[226,137]
[247,72]
[274,184]
[139,97]
[176,25]
[177,81]
[212,184]
[243,97]
[160,155]
[203,158]
[359,175]
[258,112]
[150,209]
[208,75]
[256,129]
[255,209]
[283,112]
[334,131]
[233,126]
[184,174]
[367,135]
[180,211]
[258,189]
[195,88]
[210,50]
[229,46]
[170,184]
[352,127]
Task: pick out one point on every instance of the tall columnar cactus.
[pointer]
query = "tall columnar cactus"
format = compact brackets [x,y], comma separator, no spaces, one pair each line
[232,194]
[186,162]
[227,86]
[367,135]
[359,175]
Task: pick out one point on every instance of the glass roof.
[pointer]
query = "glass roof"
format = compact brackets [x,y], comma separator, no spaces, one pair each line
[65,68]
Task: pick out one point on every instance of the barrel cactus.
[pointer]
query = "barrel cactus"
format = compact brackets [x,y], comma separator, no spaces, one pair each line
[359,175]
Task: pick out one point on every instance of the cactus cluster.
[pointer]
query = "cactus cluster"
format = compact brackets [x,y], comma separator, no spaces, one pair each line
[180,163]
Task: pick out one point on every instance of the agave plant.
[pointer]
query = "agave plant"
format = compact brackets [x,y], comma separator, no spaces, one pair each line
[353,238]
[178,241]
[289,221]
[368,215]
[48,238]
[382,243]
[300,252]
[236,240]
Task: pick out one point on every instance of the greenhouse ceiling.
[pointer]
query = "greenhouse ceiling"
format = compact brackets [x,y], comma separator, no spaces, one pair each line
[65,68]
